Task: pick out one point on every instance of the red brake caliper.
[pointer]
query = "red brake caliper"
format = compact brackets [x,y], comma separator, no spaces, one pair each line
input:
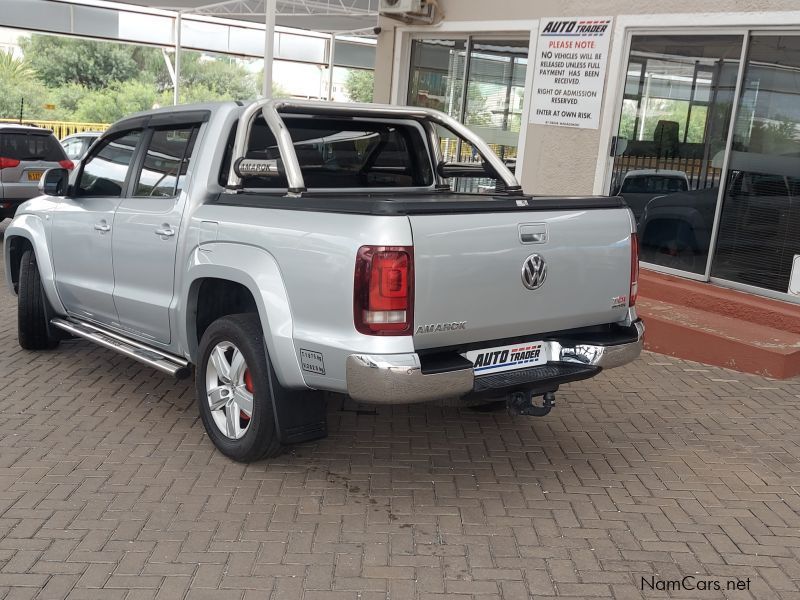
[248,385]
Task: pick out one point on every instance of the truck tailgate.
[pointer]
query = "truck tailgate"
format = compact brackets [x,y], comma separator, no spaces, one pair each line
[469,273]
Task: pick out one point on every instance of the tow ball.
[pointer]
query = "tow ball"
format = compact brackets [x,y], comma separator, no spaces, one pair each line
[521,403]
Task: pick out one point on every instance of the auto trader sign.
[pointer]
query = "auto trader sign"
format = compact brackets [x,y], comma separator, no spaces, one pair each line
[570,71]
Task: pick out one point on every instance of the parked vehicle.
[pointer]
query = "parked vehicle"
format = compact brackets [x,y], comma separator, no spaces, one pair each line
[76,145]
[760,210]
[640,186]
[25,153]
[287,248]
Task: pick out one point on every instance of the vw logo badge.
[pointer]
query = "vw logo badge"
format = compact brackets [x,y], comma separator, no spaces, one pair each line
[534,271]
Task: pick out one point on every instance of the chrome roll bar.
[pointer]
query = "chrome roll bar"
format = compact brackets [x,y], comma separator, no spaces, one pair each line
[272,110]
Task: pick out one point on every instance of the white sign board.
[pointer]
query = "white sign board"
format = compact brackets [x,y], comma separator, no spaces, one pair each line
[570,70]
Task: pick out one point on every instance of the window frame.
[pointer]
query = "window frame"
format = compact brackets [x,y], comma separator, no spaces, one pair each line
[519,29]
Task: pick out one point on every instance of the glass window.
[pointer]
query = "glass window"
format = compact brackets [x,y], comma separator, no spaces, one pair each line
[73,148]
[673,130]
[166,162]
[104,173]
[337,153]
[479,82]
[22,145]
[758,231]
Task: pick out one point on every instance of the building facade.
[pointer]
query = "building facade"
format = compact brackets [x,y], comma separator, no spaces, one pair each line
[690,110]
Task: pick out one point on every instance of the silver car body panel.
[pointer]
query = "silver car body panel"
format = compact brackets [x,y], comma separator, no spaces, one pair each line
[468,269]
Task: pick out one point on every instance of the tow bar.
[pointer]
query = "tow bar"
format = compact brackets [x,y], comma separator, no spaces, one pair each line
[521,403]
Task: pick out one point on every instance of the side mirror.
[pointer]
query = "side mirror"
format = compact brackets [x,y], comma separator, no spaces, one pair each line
[54,182]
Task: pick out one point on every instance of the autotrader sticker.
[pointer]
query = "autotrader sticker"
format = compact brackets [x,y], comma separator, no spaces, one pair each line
[505,358]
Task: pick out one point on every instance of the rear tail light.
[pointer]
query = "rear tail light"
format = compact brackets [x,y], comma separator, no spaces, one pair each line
[634,291]
[67,164]
[383,298]
[8,163]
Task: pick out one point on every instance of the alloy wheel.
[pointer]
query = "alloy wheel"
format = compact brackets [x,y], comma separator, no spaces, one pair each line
[229,389]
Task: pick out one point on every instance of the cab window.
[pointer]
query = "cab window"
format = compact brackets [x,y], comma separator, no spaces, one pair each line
[166,161]
[106,170]
[344,153]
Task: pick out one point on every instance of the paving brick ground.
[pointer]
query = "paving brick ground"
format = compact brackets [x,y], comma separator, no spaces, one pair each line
[663,469]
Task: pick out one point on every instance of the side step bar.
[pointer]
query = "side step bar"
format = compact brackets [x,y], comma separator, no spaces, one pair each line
[166,363]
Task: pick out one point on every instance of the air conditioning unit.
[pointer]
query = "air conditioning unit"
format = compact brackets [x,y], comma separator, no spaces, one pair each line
[394,7]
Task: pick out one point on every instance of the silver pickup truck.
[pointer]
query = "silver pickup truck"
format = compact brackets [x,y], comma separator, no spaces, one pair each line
[283,249]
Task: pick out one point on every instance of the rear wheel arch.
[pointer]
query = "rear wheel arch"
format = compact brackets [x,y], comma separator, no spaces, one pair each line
[257,271]
[211,298]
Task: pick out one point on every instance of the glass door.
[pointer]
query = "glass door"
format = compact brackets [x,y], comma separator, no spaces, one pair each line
[759,227]
[480,82]
[670,146]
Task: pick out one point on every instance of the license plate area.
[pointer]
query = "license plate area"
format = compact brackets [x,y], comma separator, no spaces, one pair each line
[506,358]
[34,175]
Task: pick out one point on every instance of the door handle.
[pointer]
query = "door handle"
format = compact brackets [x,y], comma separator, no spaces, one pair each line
[102,227]
[533,233]
[165,231]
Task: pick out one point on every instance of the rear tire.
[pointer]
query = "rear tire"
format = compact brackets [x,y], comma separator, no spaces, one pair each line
[234,393]
[33,311]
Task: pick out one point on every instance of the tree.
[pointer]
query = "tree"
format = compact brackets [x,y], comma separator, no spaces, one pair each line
[93,64]
[21,89]
[13,66]
[218,78]
[116,101]
[27,89]
[360,85]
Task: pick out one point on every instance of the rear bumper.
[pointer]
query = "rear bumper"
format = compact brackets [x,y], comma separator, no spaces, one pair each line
[19,192]
[400,378]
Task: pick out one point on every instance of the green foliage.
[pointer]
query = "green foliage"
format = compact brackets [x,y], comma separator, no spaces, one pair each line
[28,88]
[663,109]
[13,67]
[60,60]
[360,85]
[66,100]
[220,78]
[116,101]
[101,82]
[18,81]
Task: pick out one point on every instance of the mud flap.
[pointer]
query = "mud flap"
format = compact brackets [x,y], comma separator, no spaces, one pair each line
[300,415]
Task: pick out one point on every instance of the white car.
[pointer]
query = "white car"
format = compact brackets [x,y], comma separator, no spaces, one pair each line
[640,186]
[77,145]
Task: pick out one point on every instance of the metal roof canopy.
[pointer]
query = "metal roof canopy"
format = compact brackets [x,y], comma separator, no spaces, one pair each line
[332,16]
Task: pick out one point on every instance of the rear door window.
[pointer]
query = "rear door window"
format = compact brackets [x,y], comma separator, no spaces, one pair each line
[166,162]
[30,146]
